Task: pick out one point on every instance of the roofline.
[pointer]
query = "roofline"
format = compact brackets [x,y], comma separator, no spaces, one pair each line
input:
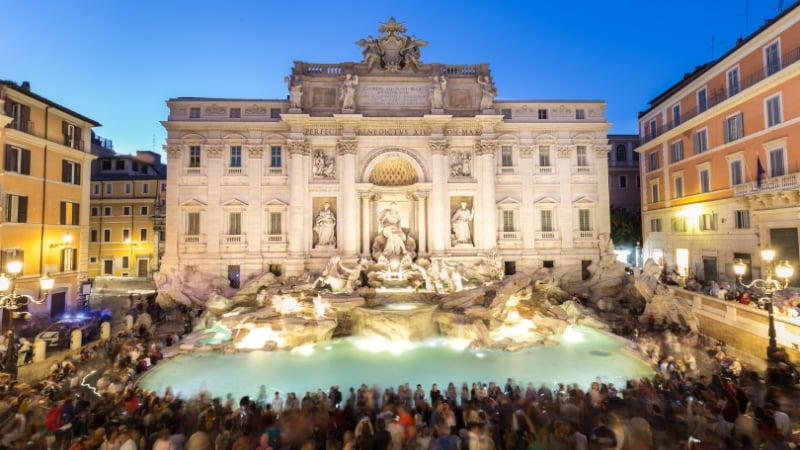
[700,70]
[224,99]
[47,101]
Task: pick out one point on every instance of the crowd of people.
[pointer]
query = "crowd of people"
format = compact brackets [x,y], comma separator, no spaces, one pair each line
[695,399]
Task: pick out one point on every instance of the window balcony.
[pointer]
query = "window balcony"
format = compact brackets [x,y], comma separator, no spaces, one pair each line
[510,236]
[547,236]
[583,169]
[584,235]
[547,170]
[234,171]
[773,184]
[193,239]
[234,239]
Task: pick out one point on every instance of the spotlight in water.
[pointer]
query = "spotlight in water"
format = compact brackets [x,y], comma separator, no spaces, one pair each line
[479,355]
[572,335]
[305,350]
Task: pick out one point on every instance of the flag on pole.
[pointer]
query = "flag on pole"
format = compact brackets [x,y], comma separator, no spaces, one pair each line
[760,172]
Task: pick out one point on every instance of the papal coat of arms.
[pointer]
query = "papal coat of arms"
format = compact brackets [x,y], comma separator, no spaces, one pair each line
[393,50]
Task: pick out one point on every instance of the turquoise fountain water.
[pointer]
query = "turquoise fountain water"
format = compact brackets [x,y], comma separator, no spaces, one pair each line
[582,356]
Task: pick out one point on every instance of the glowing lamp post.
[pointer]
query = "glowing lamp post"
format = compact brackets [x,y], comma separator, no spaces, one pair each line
[782,271]
[13,302]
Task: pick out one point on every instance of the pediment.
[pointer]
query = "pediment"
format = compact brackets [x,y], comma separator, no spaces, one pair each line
[509,201]
[275,202]
[546,201]
[584,201]
[193,203]
[233,203]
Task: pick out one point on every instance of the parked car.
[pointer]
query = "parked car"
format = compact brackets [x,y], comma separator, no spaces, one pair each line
[57,334]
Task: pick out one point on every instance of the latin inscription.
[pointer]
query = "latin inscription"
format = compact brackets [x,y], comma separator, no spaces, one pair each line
[393,95]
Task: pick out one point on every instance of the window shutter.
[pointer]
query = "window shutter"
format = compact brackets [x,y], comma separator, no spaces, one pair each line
[64,126]
[725,131]
[8,107]
[22,209]
[7,160]
[740,125]
[25,115]
[77,179]
[64,171]
[62,217]
[25,163]
[76,214]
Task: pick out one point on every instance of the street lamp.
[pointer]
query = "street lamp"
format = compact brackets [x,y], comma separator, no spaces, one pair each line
[783,270]
[13,302]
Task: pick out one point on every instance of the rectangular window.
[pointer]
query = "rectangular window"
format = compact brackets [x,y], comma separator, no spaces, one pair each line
[542,114]
[676,151]
[546,216]
[193,223]
[109,189]
[508,220]
[621,153]
[702,100]
[653,129]
[772,55]
[17,160]
[16,208]
[93,236]
[163,188]
[96,189]
[126,210]
[708,222]
[623,182]
[654,193]
[127,188]
[676,115]
[235,113]
[106,210]
[741,219]
[146,188]
[194,156]
[69,213]
[773,111]
[700,141]
[7,256]
[544,156]
[705,181]
[95,211]
[582,159]
[143,234]
[120,164]
[655,225]
[236,156]
[21,115]
[583,220]
[106,235]
[70,172]
[275,223]
[678,187]
[72,135]
[733,128]
[737,172]
[505,156]
[125,262]
[652,160]
[679,224]
[777,167]
[105,165]
[126,235]
[580,114]
[235,222]
[194,113]
[733,82]
[275,157]
[69,259]
[144,210]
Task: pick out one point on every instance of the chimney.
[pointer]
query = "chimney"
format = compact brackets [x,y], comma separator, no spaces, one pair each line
[26,86]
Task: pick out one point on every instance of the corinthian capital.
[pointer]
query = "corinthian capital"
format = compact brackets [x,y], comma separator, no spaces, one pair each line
[439,146]
[214,151]
[173,151]
[602,150]
[565,150]
[347,146]
[299,147]
[485,147]
[255,151]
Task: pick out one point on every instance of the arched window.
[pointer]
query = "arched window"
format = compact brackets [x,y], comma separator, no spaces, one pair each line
[622,152]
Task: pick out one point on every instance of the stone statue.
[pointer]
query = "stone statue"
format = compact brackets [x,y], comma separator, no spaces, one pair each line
[460,222]
[325,227]
[437,91]
[410,51]
[372,52]
[324,166]
[488,92]
[348,92]
[389,227]
[295,93]
[461,166]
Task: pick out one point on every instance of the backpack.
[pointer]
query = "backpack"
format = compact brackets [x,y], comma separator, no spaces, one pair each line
[53,419]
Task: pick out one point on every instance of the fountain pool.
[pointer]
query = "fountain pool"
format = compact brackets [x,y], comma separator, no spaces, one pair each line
[582,356]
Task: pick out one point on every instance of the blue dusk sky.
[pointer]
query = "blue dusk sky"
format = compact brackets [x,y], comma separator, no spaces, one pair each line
[117,61]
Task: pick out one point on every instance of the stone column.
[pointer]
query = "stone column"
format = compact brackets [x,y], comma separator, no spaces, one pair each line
[348,213]
[172,233]
[603,219]
[527,222]
[440,222]
[486,225]
[215,226]
[298,228]
[422,225]
[565,226]
[366,218]
[255,210]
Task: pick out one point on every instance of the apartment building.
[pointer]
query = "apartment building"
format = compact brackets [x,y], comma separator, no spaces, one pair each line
[720,158]
[44,195]
[126,223]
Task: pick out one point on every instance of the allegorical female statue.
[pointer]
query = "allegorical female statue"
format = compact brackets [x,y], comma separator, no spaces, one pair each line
[325,227]
[460,222]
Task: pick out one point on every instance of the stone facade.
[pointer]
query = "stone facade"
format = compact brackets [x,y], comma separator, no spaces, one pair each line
[250,178]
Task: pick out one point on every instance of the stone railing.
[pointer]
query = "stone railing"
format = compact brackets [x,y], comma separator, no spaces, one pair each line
[547,235]
[789,181]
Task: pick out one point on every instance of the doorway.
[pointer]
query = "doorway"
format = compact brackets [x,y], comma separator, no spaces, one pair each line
[710,268]
[108,267]
[58,304]
[142,265]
